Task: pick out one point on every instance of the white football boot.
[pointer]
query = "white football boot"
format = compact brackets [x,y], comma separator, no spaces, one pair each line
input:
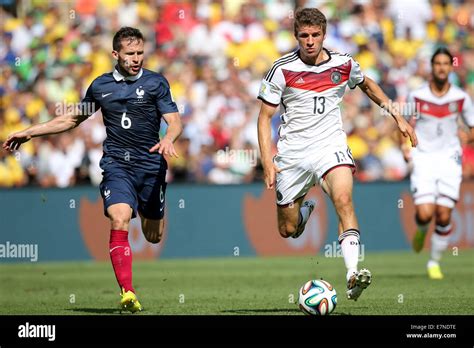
[357,283]
[305,211]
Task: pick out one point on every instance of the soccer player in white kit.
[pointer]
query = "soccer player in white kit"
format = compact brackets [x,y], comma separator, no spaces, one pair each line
[437,171]
[309,84]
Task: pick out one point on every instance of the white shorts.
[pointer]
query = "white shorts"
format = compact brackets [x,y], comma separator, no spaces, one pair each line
[297,176]
[436,178]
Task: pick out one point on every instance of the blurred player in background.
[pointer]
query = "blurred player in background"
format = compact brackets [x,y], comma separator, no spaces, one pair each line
[309,84]
[133,101]
[437,171]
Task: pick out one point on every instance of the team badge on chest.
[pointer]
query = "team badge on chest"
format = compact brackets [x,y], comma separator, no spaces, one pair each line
[336,77]
[453,107]
[140,96]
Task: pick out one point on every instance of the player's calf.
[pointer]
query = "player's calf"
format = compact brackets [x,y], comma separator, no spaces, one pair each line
[153,230]
[424,214]
[289,218]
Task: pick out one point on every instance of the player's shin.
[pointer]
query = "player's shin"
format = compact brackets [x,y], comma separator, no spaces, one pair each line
[349,241]
[422,227]
[440,241]
[420,234]
[121,257]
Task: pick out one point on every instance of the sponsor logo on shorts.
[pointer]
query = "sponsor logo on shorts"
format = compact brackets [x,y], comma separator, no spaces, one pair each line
[107,193]
[162,199]
[279,195]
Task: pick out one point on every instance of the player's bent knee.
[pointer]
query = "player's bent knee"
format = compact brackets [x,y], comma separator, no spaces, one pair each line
[287,230]
[119,216]
[423,217]
[343,201]
[443,218]
[120,223]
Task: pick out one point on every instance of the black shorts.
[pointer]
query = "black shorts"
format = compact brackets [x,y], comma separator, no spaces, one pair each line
[144,192]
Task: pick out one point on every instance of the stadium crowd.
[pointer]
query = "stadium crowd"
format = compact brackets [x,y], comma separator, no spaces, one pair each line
[214,54]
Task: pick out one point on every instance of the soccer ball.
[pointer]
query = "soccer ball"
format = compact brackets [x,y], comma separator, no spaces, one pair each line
[317,297]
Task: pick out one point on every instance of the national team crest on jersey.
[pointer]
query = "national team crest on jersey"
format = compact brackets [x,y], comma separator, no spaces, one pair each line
[140,96]
[140,92]
[336,77]
[453,107]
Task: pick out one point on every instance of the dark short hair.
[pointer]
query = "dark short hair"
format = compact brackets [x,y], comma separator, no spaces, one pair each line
[442,50]
[309,17]
[125,33]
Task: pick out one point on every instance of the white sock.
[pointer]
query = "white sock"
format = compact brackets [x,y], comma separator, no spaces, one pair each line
[349,241]
[439,241]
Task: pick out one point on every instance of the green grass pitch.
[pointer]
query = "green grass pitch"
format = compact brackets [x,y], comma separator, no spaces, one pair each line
[239,286]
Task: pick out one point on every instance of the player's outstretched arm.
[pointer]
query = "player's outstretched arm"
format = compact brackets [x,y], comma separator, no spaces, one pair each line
[374,92]
[265,143]
[56,125]
[175,127]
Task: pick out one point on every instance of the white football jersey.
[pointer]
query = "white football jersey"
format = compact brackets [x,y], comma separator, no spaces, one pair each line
[437,118]
[310,96]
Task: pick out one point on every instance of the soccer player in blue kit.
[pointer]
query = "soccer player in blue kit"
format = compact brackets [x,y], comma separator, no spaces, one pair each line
[133,100]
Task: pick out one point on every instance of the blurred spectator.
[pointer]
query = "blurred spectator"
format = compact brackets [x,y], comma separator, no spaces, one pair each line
[214,53]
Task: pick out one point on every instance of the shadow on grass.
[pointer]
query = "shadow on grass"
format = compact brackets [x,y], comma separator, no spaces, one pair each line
[95,310]
[420,276]
[270,311]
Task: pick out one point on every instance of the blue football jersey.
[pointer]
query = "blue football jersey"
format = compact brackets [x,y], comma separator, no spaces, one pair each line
[132,108]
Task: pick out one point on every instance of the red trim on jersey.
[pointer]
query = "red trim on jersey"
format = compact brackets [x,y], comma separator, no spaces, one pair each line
[438,110]
[317,82]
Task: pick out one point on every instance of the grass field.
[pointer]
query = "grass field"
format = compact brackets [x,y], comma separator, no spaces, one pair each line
[238,286]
